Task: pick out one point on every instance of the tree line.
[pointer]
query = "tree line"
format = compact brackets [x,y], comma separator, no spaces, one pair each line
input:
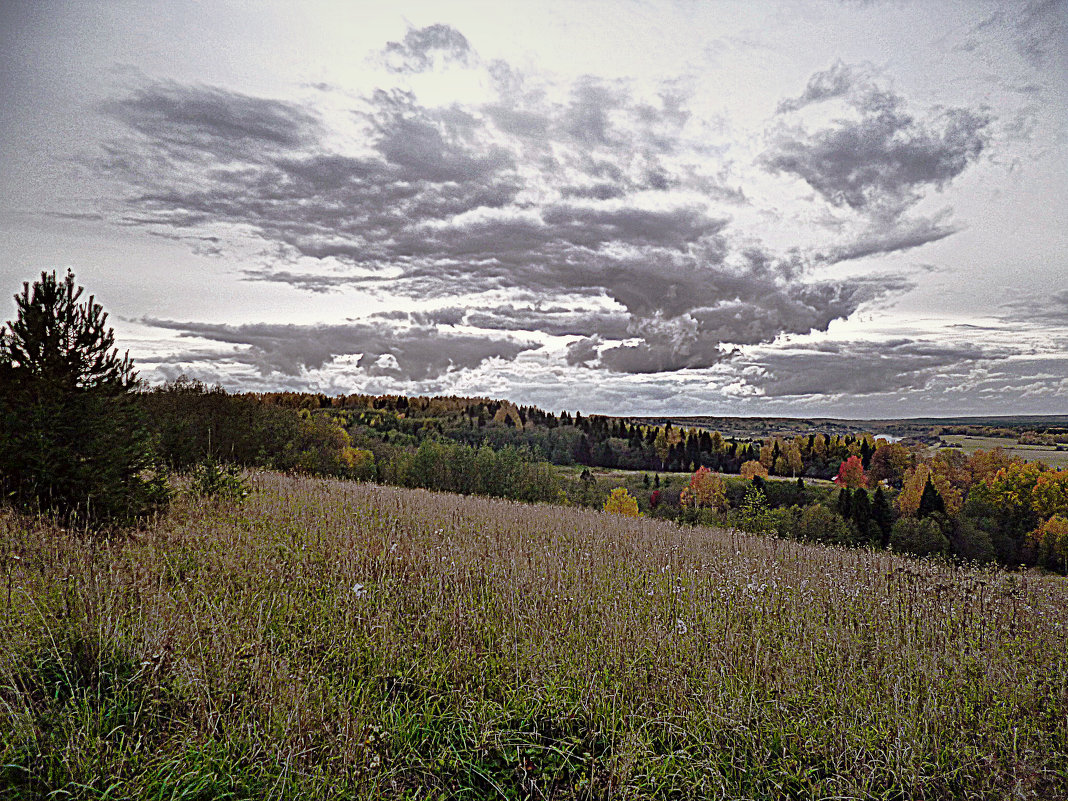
[82,439]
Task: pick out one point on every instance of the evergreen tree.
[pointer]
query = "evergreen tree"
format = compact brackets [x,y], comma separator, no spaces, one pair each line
[72,442]
[845,502]
[930,501]
[860,512]
[882,516]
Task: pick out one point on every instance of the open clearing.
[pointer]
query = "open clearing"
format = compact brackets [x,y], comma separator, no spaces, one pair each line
[1029,453]
[336,640]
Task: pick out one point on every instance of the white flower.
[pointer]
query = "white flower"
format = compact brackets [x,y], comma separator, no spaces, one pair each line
[680,626]
[358,590]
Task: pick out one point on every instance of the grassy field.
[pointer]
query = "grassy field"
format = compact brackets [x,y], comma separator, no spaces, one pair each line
[1029,453]
[330,640]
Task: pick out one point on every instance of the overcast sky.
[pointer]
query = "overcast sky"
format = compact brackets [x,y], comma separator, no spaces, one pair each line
[795,208]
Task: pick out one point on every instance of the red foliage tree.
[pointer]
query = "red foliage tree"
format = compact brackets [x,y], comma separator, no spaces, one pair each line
[851,474]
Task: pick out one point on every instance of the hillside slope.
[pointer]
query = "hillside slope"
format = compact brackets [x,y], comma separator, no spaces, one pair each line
[329,639]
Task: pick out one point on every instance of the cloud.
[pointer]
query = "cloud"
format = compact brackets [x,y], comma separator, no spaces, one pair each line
[860,368]
[1050,310]
[839,80]
[551,320]
[883,236]
[410,353]
[426,48]
[881,162]
[194,122]
[596,203]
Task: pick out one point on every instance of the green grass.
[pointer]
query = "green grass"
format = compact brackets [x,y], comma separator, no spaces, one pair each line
[331,640]
[1030,453]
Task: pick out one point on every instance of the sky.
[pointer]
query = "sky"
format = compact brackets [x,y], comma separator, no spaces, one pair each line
[809,207]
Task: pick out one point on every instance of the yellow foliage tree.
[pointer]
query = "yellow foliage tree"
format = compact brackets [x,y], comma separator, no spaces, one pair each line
[793,459]
[1052,541]
[908,500]
[1011,487]
[1049,496]
[621,502]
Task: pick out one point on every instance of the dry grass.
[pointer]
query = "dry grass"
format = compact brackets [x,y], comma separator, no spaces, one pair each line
[328,640]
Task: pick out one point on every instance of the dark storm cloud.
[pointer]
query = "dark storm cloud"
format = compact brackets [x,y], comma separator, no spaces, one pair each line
[423,48]
[861,368]
[748,309]
[209,122]
[413,353]
[881,162]
[552,320]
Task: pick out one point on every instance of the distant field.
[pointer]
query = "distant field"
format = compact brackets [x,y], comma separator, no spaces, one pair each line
[1031,453]
[676,479]
[336,640]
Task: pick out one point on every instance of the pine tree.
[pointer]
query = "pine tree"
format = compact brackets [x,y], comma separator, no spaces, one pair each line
[72,442]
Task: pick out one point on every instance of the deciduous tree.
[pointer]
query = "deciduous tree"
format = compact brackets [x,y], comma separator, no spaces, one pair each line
[706,489]
[851,473]
[752,469]
[621,502]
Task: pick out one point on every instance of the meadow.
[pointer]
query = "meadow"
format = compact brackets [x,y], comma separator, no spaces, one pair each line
[1050,455]
[326,639]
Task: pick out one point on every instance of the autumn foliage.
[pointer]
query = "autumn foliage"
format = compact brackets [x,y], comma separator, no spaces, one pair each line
[705,489]
[851,474]
[752,469]
[621,502]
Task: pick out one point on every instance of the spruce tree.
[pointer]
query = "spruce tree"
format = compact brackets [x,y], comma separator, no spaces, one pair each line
[860,511]
[882,516]
[845,502]
[930,501]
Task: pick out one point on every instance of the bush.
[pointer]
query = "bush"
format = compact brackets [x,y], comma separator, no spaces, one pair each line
[212,481]
[969,541]
[817,523]
[920,536]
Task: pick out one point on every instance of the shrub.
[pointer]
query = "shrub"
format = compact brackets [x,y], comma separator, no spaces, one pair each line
[210,480]
[920,536]
[817,523]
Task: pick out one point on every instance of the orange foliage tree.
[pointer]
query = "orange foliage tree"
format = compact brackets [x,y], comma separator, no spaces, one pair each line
[705,489]
[752,469]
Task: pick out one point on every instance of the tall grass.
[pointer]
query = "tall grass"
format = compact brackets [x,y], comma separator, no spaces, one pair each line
[333,640]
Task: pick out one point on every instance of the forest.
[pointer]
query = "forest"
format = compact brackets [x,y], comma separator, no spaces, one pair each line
[850,489]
